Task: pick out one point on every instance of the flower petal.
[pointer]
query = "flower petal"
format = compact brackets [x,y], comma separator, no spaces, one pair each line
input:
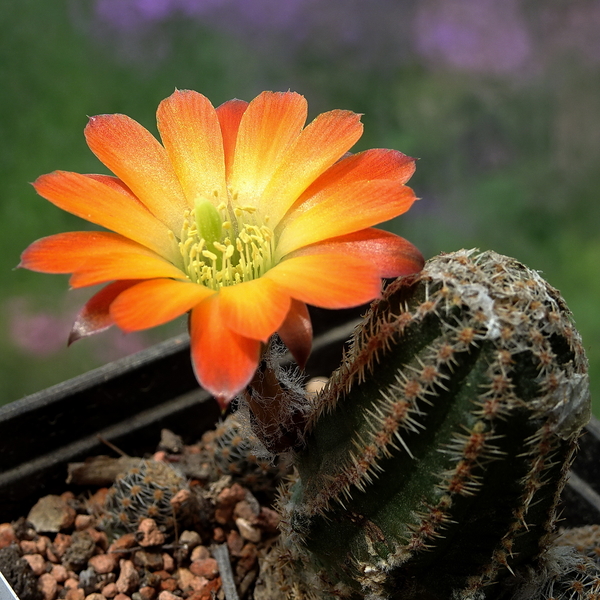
[230,114]
[377,163]
[191,134]
[320,145]
[254,309]
[345,209]
[268,127]
[68,252]
[389,254]
[296,332]
[95,317]
[224,361]
[327,280]
[116,184]
[123,265]
[155,302]
[135,156]
[108,205]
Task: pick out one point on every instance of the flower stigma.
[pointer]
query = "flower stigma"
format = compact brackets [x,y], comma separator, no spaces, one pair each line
[224,245]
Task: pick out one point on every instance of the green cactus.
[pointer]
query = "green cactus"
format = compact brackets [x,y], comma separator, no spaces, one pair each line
[143,492]
[436,456]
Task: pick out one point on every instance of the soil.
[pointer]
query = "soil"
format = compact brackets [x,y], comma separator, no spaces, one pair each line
[189,523]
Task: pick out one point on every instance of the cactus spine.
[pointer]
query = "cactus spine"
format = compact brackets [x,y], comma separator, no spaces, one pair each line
[436,455]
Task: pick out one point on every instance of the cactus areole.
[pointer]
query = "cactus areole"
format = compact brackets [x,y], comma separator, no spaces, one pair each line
[435,460]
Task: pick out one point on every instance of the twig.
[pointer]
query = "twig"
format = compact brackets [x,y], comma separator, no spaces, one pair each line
[221,554]
[112,446]
[100,470]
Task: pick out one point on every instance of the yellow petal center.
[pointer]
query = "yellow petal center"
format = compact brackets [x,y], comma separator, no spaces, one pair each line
[225,245]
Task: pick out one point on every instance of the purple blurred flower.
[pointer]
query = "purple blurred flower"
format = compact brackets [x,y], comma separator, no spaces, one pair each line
[37,333]
[374,31]
[133,14]
[473,35]
[42,334]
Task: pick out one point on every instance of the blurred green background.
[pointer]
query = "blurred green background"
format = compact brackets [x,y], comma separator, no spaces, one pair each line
[499,100]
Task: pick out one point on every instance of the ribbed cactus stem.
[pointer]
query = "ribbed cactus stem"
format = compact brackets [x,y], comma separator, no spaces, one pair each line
[435,461]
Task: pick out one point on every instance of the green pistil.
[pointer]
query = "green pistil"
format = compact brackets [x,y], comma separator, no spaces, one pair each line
[223,247]
[209,223]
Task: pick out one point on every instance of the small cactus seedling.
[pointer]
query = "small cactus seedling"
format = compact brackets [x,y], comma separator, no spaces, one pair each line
[230,449]
[143,492]
[434,462]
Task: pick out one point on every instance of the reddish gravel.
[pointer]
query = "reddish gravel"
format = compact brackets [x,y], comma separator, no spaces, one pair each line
[65,553]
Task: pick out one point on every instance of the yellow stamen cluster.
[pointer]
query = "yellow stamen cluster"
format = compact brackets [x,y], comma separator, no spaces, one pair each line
[244,252]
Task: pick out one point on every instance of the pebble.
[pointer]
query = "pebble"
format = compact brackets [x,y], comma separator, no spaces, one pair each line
[61,543]
[51,554]
[170,584]
[200,553]
[168,562]
[7,535]
[94,596]
[59,573]
[206,567]
[188,581]
[128,578]
[208,592]
[104,563]
[315,385]
[70,583]
[110,590]
[95,503]
[125,542]
[246,510]
[28,547]
[147,593]
[235,542]
[219,535]
[200,584]
[268,520]
[190,539]
[36,562]
[42,544]
[88,580]
[247,559]
[166,595]
[83,522]
[80,550]
[148,534]
[122,597]
[47,586]
[75,594]
[181,498]
[100,538]
[247,531]
[184,577]
[152,561]
[51,514]
[226,502]
[171,442]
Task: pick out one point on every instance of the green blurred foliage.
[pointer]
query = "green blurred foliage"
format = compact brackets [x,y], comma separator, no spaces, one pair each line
[507,161]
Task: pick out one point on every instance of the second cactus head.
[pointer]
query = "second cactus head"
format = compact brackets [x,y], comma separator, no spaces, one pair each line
[435,460]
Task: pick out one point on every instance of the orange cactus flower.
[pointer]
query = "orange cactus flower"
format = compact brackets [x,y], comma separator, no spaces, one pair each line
[241,217]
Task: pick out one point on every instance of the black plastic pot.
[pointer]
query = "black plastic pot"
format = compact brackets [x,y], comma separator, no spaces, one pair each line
[129,401]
